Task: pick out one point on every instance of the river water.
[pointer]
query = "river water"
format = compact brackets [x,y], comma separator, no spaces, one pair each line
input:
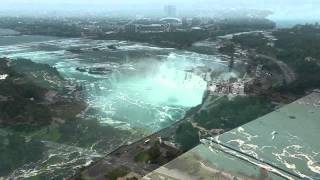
[137,86]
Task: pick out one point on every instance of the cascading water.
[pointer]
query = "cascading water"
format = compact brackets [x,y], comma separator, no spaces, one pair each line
[136,86]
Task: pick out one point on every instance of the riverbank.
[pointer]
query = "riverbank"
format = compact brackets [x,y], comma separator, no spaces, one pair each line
[209,122]
[168,143]
[145,151]
[136,98]
[40,115]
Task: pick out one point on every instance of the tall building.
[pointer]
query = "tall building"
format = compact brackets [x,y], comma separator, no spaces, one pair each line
[170,10]
[184,21]
[132,28]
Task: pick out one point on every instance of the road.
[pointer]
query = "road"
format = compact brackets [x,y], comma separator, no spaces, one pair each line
[288,73]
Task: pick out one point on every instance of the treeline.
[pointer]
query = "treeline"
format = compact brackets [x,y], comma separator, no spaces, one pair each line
[165,39]
[23,94]
[299,48]
[226,114]
[246,24]
[76,27]
[41,26]
[229,114]
[251,40]
[20,98]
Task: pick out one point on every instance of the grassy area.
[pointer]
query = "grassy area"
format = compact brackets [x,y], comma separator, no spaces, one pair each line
[187,136]
[229,114]
[224,114]
[23,105]
[299,48]
[117,173]
[151,155]
[252,40]
[142,157]
[167,39]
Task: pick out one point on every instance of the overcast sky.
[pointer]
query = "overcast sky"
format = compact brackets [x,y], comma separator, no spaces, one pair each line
[181,2]
[282,8]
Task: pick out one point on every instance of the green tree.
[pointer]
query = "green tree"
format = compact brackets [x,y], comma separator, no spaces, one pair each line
[187,136]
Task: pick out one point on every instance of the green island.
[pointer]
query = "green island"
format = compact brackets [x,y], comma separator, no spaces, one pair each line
[32,111]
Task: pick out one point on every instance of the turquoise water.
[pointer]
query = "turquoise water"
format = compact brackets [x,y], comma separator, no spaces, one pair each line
[147,87]
[144,87]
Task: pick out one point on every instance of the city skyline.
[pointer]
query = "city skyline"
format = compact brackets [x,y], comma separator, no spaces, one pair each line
[294,9]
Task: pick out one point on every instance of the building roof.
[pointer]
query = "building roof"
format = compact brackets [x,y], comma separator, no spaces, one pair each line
[171,19]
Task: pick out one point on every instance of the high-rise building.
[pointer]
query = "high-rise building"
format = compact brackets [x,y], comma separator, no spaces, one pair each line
[132,28]
[170,10]
[184,21]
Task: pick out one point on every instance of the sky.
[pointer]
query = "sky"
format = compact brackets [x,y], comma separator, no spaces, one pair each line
[257,3]
[283,9]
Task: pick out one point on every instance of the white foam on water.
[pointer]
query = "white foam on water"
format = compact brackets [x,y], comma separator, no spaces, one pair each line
[148,93]
[57,158]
